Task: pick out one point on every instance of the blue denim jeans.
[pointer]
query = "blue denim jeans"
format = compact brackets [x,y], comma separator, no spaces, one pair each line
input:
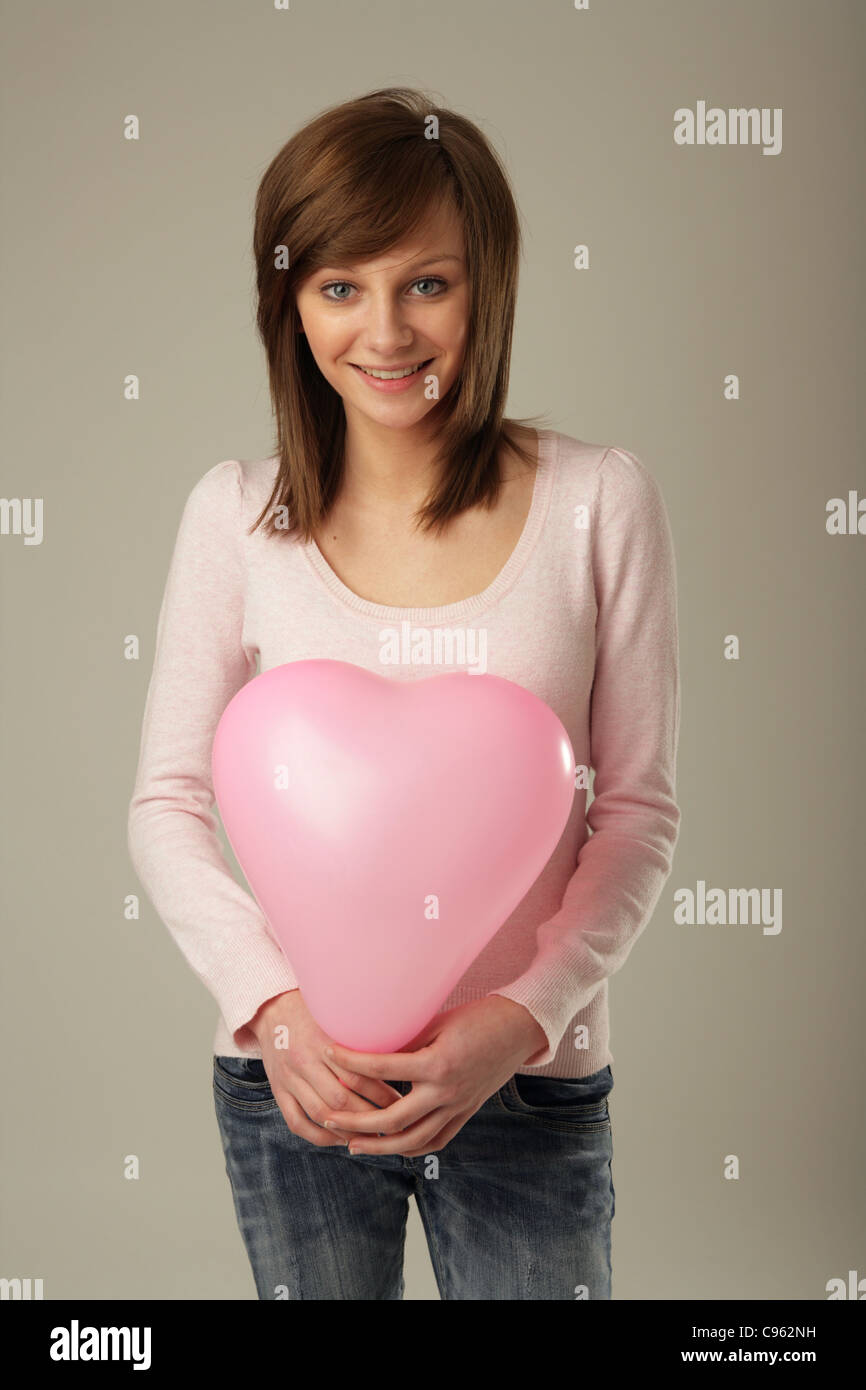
[518,1205]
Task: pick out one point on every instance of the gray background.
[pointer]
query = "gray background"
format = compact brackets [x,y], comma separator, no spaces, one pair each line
[122,257]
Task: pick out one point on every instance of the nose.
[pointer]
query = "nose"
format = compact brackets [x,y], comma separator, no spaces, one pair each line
[387,329]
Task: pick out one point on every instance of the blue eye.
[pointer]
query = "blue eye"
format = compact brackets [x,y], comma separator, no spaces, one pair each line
[423,280]
[431,280]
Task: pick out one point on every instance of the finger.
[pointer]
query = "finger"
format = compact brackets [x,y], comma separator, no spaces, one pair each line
[409,1066]
[337,1094]
[315,1093]
[315,1109]
[379,1092]
[442,1138]
[415,1140]
[394,1119]
[300,1124]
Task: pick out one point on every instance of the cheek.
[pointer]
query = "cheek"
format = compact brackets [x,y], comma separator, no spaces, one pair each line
[325,339]
[315,321]
[456,330]
[454,340]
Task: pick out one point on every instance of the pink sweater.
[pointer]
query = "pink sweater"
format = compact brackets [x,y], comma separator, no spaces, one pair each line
[584,614]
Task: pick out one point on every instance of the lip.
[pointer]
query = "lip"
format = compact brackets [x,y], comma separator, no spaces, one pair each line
[397,384]
[389,366]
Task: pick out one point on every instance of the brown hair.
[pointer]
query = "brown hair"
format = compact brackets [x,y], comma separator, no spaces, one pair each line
[352,184]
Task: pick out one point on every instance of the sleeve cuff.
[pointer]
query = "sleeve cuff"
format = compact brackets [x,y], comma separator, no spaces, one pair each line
[259,972]
[552,1004]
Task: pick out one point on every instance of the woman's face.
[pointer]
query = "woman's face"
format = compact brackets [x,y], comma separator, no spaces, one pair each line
[403,309]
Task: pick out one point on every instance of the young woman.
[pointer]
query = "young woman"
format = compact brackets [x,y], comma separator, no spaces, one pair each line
[387,247]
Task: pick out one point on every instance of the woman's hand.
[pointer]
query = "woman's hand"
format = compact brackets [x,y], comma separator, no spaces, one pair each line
[306,1085]
[454,1064]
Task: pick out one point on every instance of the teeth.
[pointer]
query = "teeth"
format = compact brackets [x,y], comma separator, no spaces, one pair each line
[390,376]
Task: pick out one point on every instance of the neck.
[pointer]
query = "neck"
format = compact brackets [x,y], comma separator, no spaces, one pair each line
[388,466]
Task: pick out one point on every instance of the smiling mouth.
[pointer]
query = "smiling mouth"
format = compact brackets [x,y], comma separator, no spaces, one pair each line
[389,373]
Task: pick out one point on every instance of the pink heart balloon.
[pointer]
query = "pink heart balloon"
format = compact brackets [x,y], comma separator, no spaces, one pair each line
[387,829]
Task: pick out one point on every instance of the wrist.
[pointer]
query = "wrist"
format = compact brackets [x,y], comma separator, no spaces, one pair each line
[529,1035]
[261,1021]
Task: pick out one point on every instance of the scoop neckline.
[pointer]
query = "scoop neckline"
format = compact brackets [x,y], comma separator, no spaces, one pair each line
[548,448]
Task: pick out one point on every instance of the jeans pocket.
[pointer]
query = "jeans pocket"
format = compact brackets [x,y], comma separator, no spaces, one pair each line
[242,1083]
[566,1102]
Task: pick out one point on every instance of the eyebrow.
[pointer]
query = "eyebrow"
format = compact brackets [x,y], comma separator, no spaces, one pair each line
[434,260]
[414,265]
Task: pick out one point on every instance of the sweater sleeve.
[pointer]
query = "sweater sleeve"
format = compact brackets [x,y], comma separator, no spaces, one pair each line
[634,728]
[199,665]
